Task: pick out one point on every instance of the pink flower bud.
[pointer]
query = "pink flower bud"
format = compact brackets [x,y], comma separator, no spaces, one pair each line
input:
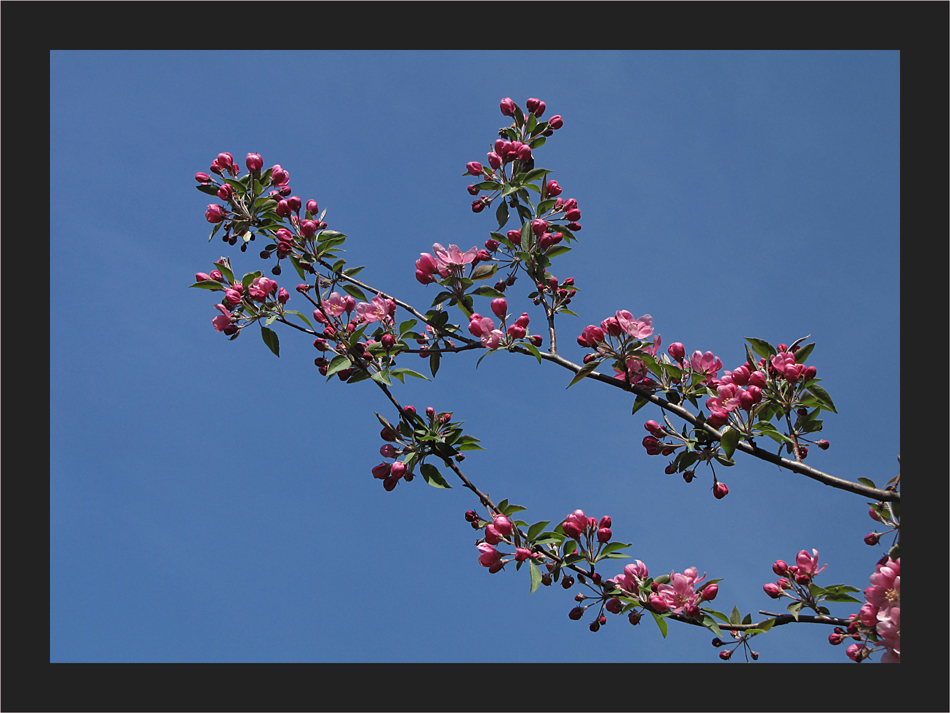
[556,122]
[478,206]
[278,176]
[654,428]
[757,379]
[283,209]
[507,106]
[720,490]
[872,538]
[553,189]
[398,469]
[500,307]
[779,567]
[535,339]
[215,214]
[503,525]
[202,177]
[823,444]
[387,450]
[474,168]
[381,471]
[283,296]
[254,162]
[524,152]
[710,592]
[573,215]
[225,160]
[515,237]
[677,351]
[773,590]
[604,534]
[202,276]
[535,106]
[516,332]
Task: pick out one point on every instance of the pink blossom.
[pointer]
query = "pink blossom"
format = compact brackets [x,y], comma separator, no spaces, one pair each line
[575,524]
[377,310]
[637,328]
[706,365]
[452,258]
[633,576]
[680,594]
[215,213]
[885,594]
[890,632]
[507,106]
[278,176]
[727,398]
[232,295]
[333,306]
[223,320]
[261,287]
[490,557]
[808,564]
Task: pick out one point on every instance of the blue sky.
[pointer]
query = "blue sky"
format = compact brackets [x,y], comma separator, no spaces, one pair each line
[211,502]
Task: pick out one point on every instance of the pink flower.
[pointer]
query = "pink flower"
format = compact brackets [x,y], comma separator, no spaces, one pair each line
[633,576]
[575,524]
[535,106]
[215,213]
[452,258]
[261,287]
[283,296]
[254,162]
[507,106]
[890,632]
[707,365]
[885,594]
[556,122]
[377,310]
[677,351]
[521,554]
[223,320]
[808,564]
[333,306]
[680,594]
[278,176]
[503,525]
[426,268]
[490,557]
[727,398]
[500,307]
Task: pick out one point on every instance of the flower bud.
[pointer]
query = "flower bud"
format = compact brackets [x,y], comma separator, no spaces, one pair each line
[556,122]
[710,592]
[872,538]
[202,177]
[773,590]
[576,613]
[552,189]
[215,213]
[387,450]
[720,490]
[779,567]
[823,444]
[478,206]
[604,534]
[202,276]
[381,471]
[474,168]
[254,162]
[500,307]
[516,332]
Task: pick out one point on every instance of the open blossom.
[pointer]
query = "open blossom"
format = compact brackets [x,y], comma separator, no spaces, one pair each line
[726,399]
[334,306]
[680,595]
[808,564]
[707,364]
[638,328]
[633,576]
[377,310]
[260,287]
[223,320]
[452,258]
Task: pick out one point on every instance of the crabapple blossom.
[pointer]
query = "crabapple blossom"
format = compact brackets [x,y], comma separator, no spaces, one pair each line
[575,524]
[707,365]
[376,310]
[215,213]
[452,257]
[507,106]
[254,162]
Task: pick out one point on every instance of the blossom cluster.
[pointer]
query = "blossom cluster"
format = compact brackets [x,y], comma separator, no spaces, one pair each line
[881,614]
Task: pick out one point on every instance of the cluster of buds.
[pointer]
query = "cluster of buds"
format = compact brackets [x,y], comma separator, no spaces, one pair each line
[794,577]
[261,290]
[577,526]
[883,513]
[737,389]
[497,531]
[561,292]
[492,338]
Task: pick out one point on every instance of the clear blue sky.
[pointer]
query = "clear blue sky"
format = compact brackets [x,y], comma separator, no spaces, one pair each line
[211,502]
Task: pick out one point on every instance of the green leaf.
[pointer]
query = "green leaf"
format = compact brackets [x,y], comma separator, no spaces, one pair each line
[735,617]
[432,476]
[584,371]
[534,350]
[501,214]
[338,363]
[660,622]
[711,624]
[434,363]
[802,354]
[486,291]
[381,376]
[794,608]
[639,403]
[537,528]
[225,268]
[822,396]
[354,291]
[535,576]
[483,272]
[270,339]
[868,482]
[208,285]
[293,311]
[761,347]
[729,441]
[614,546]
[408,372]
[557,250]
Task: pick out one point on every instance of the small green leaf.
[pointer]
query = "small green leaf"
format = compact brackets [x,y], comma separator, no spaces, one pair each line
[729,441]
[794,608]
[354,291]
[584,371]
[735,617]
[660,622]
[483,272]
[293,311]
[486,291]
[381,376]
[822,396]
[802,354]
[537,528]
[639,403]
[339,363]
[408,372]
[534,350]
[434,363]
[761,347]
[501,214]
[868,482]
[208,285]
[270,339]
[432,476]
[535,576]
[711,624]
